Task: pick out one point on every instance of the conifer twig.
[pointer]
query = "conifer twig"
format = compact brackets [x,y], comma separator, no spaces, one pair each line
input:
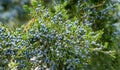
[95,6]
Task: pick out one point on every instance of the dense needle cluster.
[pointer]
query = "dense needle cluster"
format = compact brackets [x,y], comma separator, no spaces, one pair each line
[54,42]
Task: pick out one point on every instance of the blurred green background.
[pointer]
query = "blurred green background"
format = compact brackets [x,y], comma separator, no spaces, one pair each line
[12,12]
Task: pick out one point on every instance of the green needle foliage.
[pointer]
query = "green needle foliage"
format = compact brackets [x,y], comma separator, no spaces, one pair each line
[60,38]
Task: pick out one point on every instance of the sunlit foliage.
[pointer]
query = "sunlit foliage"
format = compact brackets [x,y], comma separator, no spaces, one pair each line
[61,38]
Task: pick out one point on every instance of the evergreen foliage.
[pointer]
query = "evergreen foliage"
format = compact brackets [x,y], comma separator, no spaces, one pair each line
[65,35]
